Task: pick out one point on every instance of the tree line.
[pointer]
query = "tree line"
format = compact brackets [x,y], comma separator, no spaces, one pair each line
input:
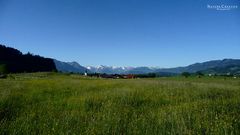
[14,61]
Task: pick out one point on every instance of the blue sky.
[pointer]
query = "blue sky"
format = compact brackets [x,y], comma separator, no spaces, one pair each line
[164,33]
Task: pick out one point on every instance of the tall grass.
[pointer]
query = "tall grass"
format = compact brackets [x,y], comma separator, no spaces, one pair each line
[49,103]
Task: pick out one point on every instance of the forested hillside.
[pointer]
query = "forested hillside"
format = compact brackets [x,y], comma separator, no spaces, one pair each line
[14,61]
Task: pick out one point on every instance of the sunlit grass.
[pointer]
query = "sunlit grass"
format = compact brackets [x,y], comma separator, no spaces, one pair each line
[50,103]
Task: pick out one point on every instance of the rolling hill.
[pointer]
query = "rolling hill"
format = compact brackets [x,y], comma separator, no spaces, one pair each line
[228,70]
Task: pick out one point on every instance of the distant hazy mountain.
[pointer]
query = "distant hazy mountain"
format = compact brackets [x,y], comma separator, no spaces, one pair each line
[121,70]
[109,69]
[143,70]
[12,60]
[69,67]
[203,66]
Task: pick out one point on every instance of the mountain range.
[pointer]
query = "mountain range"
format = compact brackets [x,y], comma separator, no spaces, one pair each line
[69,67]
[12,60]
[228,70]
[203,66]
[214,66]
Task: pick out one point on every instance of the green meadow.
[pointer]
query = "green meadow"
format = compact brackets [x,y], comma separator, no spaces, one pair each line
[53,103]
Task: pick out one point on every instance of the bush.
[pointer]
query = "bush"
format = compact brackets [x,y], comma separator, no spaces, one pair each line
[186,74]
[199,74]
[3,69]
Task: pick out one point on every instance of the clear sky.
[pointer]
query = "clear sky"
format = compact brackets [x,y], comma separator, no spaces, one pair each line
[164,33]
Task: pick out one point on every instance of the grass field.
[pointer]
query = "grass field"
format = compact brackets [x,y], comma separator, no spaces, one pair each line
[51,103]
